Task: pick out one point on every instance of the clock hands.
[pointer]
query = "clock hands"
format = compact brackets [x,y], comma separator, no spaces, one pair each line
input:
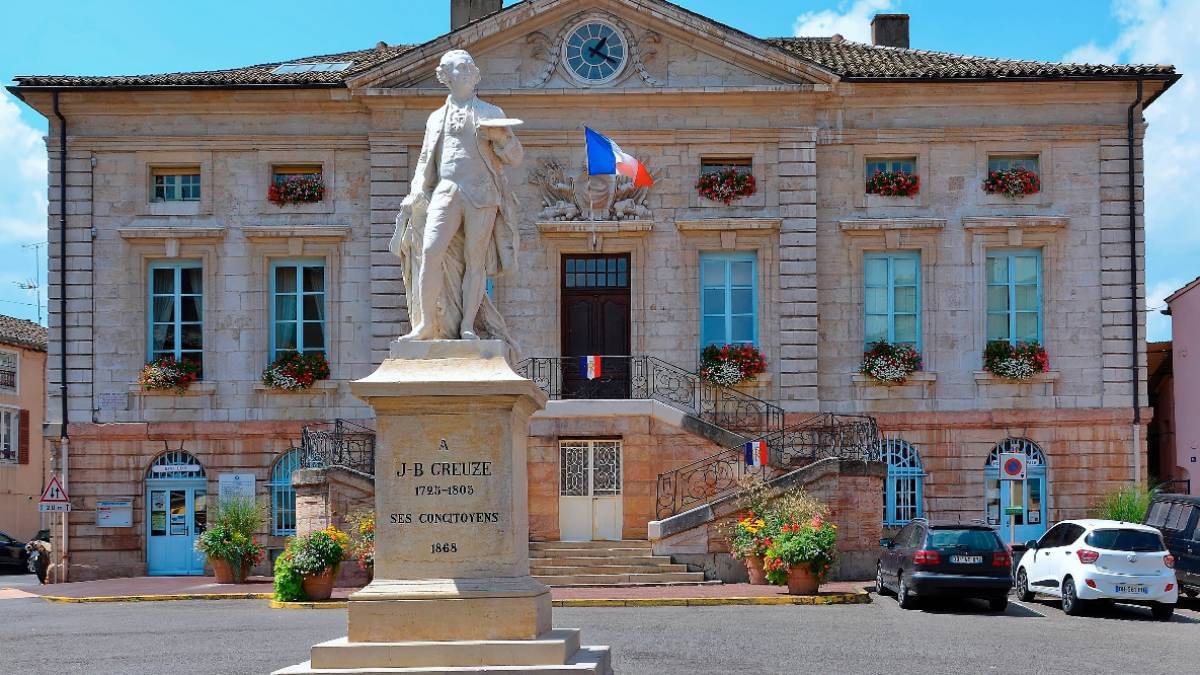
[595,51]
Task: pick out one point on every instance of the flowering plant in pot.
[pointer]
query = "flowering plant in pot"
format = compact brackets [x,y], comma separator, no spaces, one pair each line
[1012,183]
[362,535]
[296,190]
[893,184]
[293,371]
[727,185]
[1015,362]
[803,548]
[167,374]
[228,541]
[889,363]
[309,565]
[748,537]
[728,365]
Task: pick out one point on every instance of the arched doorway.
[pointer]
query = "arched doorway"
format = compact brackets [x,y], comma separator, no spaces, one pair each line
[176,512]
[1031,495]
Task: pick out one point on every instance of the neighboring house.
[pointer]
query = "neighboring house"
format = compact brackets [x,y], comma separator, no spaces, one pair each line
[23,465]
[173,248]
[1160,437]
[1184,465]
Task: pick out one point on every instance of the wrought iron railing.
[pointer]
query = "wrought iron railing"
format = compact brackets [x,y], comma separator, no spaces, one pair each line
[1179,486]
[338,443]
[647,377]
[853,437]
[8,379]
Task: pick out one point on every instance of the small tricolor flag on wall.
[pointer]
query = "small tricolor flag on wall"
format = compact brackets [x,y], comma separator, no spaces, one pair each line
[756,453]
[604,157]
[591,367]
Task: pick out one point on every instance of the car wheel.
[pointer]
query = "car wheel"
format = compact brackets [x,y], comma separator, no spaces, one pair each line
[905,600]
[1071,604]
[998,604]
[1162,612]
[1191,592]
[1023,592]
[880,589]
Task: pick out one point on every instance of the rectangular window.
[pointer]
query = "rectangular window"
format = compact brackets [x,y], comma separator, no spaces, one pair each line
[9,435]
[177,311]
[281,173]
[8,371]
[892,298]
[728,299]
[715,164]
[297,307]
[906,164]
[176,184]
[1006,162]
[1014,296]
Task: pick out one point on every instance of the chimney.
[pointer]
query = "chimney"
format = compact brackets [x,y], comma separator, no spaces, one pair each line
[463,12]
[890,30]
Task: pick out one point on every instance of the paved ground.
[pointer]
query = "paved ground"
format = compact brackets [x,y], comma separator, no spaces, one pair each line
[244,636]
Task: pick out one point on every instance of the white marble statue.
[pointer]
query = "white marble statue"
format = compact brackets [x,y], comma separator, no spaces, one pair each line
[458,226]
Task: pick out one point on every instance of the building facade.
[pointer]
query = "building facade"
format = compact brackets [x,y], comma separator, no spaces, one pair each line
[23,461]
[170,246]
[1180,459]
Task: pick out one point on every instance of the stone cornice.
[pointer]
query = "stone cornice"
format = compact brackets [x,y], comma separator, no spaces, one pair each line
[1047,223]
[876,226]
[727,224]
[586,228]
[159,233]
[310,232]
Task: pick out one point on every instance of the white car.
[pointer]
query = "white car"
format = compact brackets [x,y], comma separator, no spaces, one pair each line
[1085,560]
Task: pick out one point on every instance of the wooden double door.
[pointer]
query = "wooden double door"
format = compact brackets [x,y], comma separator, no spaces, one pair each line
[596,322]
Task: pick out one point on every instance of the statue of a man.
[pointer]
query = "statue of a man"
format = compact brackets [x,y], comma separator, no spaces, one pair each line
[458,226]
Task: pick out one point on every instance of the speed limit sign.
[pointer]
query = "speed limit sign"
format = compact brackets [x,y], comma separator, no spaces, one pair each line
[1012,466]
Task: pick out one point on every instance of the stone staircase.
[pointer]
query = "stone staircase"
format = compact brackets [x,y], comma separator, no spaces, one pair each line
[606,563]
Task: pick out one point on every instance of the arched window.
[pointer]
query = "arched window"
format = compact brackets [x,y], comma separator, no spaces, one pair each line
[903,492]
[1019,508]
[283,495]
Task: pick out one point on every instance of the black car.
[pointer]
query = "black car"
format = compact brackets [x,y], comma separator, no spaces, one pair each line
[12,554]
[1178,518]
[945,559]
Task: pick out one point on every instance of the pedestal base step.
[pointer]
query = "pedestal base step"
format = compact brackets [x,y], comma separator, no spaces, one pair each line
[586,661]
[553,647]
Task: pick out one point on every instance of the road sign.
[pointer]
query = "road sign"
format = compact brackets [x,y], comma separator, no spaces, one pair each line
[54,507]
[54,498]
[1012,466]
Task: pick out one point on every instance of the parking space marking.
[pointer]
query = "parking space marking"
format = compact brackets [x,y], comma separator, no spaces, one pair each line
[1027,608]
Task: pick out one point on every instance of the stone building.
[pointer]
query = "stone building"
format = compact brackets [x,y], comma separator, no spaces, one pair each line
[164,182]
[23,466]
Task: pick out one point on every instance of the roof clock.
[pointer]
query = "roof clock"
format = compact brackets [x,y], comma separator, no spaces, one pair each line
[595,52]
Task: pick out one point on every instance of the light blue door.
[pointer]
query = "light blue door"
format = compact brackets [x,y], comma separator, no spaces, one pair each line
[1031,494]
[176,513]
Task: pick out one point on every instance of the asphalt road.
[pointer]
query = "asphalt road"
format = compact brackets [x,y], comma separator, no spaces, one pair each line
[245,636]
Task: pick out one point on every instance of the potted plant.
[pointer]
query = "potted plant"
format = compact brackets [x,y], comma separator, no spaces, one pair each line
[728,365]
[1015,362]
[228,542]
[726,185]
[293,371]
[296,190]
[362,535]
[893,184]
[309,565]
[749,542]
[803,543]
[167,374]
[1012,183]
[889,363]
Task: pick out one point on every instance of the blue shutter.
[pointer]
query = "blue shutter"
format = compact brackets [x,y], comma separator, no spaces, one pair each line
[728,299]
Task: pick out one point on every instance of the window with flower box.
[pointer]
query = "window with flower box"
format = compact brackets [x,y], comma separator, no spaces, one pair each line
[728,299]
[297,307]
[906,164]
[175,184]
[1006,162]
[1014,295]
[176,312]
[892,298]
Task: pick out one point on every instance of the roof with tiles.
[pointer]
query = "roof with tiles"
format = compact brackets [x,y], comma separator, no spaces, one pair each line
[22,333]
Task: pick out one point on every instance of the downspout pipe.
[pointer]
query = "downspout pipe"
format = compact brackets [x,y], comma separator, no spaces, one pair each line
[1133,294]
[64,441]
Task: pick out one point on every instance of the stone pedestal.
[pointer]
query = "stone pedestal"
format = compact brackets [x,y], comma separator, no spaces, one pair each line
[452,588]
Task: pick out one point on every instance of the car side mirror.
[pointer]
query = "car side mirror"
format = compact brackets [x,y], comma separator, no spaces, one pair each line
[887,543]
[1031,544]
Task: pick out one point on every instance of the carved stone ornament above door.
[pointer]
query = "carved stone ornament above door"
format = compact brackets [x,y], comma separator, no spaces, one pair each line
[574,195]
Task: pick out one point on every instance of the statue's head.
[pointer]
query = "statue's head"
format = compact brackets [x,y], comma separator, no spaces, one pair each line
[457,70]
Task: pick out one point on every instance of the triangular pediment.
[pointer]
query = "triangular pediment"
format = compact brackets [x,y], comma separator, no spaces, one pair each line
[526,46]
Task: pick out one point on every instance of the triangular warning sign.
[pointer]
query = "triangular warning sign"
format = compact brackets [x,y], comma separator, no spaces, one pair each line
[54,493]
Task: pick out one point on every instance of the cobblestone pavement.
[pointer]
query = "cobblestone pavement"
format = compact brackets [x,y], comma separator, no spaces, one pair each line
[245,636]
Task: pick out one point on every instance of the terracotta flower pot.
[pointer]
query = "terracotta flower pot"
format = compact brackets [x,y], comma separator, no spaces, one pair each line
[320,586]
[801,580]
[226,573]
[754,567]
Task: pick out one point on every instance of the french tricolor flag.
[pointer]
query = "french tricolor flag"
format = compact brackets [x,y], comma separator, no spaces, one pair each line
[604,157]
[591,366]
[756,453]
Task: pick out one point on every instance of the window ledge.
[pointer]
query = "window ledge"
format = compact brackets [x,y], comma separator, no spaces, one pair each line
[196,389]
[877,225]
[162,232]
[318,387]
[727,224]
[585,228]
[985,377]
[308,232]
[1047,223]
[923,377]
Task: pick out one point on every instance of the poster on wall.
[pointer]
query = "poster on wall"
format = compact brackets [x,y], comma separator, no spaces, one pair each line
[158,524]
[114,513]
[231,485]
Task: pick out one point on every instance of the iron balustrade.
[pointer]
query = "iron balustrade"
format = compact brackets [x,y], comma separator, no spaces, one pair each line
[647,377]
[338,443]
[854,437]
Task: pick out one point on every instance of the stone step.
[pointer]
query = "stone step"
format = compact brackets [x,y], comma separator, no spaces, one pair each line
[571,559]
[622,543]
[589,552]
[550,570]
[617,579]
[638,584]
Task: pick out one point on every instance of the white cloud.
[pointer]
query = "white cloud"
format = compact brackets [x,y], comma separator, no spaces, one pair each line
[22,177]
[851,20]
[1158,326]
[1164,31]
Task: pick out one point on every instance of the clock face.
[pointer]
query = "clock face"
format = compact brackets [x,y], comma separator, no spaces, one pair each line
[595,52]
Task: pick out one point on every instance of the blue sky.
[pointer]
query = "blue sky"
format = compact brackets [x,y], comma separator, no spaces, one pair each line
[131,37]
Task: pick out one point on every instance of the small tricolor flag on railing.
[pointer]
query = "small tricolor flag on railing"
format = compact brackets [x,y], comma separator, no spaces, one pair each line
[756,453]
[591,367]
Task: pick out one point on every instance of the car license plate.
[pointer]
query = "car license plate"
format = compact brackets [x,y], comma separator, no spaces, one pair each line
[1132,588]
[966,559]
